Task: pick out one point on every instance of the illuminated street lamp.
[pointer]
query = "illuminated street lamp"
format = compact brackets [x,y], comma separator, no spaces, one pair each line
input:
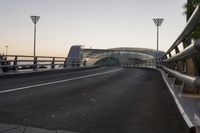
[34,20]
[158,22]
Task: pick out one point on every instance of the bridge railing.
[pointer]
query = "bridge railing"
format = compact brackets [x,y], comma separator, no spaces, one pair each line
[146,63]
[180,60]
[22,62]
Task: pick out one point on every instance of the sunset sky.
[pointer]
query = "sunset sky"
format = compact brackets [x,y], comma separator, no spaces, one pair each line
[92,23]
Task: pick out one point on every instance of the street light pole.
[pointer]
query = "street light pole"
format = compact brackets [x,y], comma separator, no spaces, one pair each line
[34,20]
[6,50]
[34,39]
[158,22]
[157,36]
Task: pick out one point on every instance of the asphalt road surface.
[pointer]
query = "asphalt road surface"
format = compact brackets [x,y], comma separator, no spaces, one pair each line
[102,100]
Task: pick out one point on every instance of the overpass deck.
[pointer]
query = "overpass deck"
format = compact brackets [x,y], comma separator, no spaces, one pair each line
[102,100]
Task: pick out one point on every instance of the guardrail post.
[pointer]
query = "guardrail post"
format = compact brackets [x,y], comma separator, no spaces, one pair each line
[170,55]
[73,62]
[65,63]
[78,62]
[191,68]
[177,50]
[190,64]
[179,67]
[53,63]
[35,62]
[171,66]
[186,42]
[15,66]
[6,63]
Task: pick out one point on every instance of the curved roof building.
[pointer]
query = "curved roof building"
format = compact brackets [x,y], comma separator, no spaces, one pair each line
[114,56]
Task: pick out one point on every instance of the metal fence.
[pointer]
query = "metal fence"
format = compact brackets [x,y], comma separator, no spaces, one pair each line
[180,61]
[23,62]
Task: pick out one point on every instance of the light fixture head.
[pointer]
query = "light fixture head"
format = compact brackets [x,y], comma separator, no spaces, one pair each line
[35,19]
[158,21]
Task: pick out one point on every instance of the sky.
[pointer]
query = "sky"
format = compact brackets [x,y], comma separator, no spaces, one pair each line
[92,23]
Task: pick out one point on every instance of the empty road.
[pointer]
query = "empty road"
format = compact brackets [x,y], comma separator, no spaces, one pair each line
[101,100]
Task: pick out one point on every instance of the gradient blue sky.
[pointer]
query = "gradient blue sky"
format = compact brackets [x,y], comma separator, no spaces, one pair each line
[92,23]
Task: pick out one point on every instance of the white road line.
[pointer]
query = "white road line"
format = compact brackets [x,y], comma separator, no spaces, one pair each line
[59,81]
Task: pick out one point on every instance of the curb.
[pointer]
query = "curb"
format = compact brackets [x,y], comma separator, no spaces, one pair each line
[8,128]
[186,106]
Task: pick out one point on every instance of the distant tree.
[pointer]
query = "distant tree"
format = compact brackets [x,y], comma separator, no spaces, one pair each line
[189,9]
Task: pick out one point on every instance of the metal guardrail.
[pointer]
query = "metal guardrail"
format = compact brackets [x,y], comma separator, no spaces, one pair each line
[189,52]
[146,63]
[20,62]
[180,62]
[193,81]
[191,24]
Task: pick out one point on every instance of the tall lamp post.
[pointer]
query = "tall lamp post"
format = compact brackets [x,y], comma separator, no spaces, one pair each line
[6,50]
[34,20]
[158,22]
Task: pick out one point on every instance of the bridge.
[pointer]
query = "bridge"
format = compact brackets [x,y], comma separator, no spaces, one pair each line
[119,90]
